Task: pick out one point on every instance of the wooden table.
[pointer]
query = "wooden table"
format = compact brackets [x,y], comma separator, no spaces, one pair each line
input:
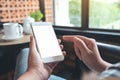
[24,39]
[9,51]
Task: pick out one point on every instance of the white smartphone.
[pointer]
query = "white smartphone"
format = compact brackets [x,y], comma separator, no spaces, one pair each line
[47,43]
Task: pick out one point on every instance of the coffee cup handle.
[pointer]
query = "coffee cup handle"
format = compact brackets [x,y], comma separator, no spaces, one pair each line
[20,29]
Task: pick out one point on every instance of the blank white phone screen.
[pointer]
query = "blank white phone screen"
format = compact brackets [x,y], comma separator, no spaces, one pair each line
[47,42]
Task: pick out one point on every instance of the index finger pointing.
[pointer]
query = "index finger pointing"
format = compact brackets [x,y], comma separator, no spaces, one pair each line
[69,38]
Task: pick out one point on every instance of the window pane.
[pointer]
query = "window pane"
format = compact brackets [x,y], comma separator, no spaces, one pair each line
[67,13]
[104,14]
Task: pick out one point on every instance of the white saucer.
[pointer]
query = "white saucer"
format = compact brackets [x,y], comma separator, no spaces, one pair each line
[10,39]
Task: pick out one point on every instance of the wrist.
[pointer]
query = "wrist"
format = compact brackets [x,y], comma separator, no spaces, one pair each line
[40,74]
[104,65]
[36,74]
[31,75]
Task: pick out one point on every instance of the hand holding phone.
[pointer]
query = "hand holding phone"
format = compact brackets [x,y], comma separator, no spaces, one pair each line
[46,41]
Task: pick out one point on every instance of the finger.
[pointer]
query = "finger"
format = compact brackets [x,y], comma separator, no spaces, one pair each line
[50,66]
[68,38]
[61,46]
[59,41]
[77,41]
[78,53]
[86,40]
[64,53]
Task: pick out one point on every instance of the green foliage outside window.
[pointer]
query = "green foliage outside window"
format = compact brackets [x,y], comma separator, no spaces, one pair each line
[102,14]
[75,12]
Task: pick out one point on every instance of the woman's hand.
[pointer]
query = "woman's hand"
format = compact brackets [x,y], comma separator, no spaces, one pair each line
[87,51]
[37,70]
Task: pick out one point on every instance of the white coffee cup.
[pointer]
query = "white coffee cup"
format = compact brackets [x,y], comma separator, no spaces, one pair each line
[12,30]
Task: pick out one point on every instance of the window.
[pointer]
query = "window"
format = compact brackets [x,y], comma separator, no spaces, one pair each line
[67,13]
[104,14]
[101,14]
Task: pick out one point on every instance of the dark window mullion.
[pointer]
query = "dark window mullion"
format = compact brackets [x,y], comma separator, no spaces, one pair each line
[53,12]
[42,8]
[85,13]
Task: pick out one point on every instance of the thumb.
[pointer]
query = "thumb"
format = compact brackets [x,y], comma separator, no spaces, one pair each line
[34,56]
[32,46]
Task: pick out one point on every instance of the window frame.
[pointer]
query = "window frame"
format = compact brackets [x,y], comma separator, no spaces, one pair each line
[84,17]
[42,8]
[104,35]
